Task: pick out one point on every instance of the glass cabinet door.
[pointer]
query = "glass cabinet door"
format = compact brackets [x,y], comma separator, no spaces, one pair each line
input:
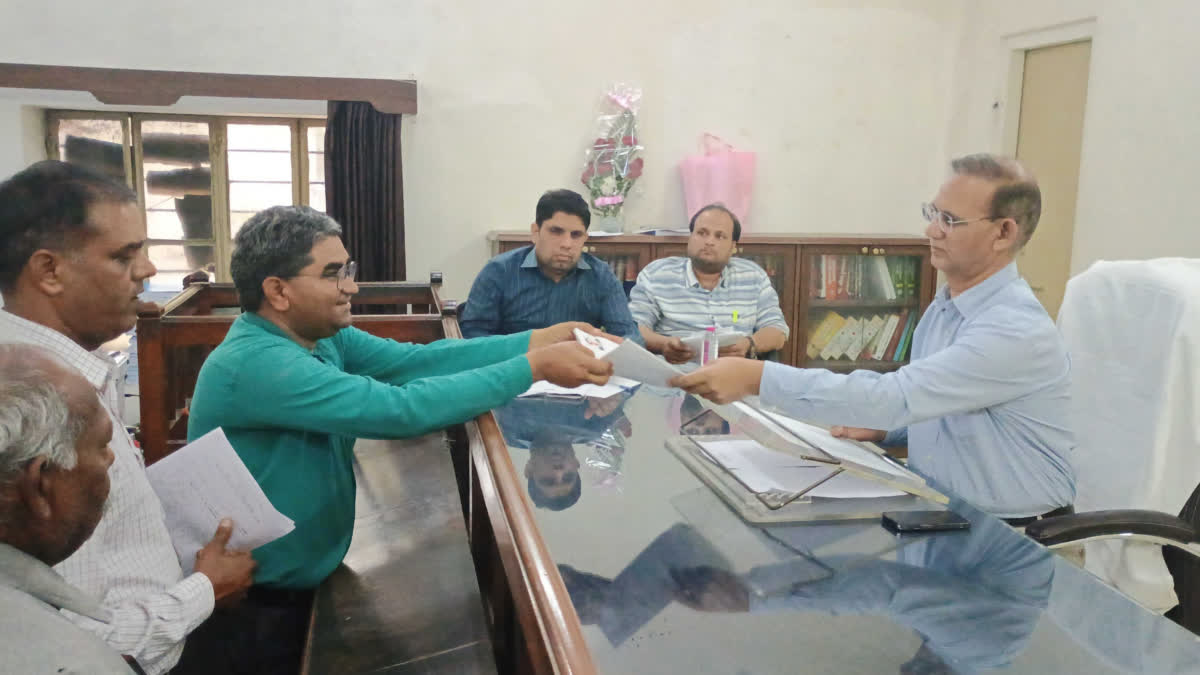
[861,309]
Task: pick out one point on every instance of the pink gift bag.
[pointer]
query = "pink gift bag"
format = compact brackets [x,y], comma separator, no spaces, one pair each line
[721,174]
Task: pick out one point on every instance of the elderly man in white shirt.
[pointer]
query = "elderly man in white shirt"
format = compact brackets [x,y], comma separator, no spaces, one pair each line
[72,263]
[54,460]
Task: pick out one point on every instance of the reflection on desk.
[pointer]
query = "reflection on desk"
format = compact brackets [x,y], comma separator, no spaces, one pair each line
[549,427]
[647,568]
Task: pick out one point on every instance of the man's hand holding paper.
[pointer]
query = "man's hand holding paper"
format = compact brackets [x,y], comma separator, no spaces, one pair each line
[565,332]
[728,379]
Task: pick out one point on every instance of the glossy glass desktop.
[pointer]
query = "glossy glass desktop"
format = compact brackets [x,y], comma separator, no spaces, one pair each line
[665,578]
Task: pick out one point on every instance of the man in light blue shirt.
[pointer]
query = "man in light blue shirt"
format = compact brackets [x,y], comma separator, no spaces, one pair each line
[983,404]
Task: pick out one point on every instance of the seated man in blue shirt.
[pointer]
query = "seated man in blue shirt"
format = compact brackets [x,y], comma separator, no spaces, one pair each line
[679,296]
[549,282]
[984,403]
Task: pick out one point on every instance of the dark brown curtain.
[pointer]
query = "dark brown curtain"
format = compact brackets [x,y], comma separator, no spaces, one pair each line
[364,187]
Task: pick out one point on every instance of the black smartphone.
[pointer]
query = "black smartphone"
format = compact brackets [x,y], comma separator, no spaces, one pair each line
[902,522]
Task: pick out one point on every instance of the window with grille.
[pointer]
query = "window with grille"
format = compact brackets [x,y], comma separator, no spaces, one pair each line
[198,177]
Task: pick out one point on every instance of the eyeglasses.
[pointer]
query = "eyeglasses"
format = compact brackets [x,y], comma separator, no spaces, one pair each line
[344,273]
[945,221]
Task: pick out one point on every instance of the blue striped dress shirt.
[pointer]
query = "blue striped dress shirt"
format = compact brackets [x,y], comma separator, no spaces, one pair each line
[983,405]
[669,300]
[511,295]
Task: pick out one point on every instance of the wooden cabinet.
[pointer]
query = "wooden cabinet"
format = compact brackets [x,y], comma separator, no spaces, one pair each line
[841,281]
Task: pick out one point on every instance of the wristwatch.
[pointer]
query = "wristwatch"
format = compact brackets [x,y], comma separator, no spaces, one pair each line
[751,353]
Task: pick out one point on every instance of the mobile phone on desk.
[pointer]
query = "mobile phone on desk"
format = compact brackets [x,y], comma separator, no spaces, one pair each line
[906,522]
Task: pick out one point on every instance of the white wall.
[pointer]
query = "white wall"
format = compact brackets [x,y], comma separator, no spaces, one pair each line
[846,103]
[21,136]
[1140,164]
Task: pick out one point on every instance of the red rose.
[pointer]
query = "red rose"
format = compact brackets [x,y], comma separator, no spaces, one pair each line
[635,168]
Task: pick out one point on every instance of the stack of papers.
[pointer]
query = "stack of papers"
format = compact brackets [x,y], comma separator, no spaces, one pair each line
[667,231]
[630,360]
[205,481]
[761,469]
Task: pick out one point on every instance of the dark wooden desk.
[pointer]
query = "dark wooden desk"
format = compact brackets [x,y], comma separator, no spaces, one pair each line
[405,599]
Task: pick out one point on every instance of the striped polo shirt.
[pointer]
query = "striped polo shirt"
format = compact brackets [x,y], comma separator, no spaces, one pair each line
[669,300]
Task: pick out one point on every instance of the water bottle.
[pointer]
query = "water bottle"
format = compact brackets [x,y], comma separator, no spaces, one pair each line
[711,346]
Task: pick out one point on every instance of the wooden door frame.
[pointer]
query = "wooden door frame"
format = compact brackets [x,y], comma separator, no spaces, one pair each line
[1017,44]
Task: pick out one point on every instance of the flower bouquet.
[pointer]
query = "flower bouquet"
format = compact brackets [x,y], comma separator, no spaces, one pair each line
[612,163]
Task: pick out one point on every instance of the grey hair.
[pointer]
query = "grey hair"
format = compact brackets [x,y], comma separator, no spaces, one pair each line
[276,242]
[35,416]
[1017,196]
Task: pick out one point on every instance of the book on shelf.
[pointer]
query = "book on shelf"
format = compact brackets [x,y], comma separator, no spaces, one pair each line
[860,277]
[825,330]
[885,336]
[894,342]
[863,336]
[906,341]
[845,338]
[869,337]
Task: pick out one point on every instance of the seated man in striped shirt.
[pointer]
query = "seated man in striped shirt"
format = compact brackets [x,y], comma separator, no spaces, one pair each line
[676,297]
[551,281]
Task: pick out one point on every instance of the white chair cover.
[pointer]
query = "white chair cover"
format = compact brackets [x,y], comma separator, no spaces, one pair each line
[1133,330]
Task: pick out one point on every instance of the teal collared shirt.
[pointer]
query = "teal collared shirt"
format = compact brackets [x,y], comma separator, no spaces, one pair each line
[292,415]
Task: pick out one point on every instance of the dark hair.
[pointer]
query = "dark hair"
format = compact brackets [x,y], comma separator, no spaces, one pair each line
[718,206]
[276,242]
[541,501]
[46,206]
[1017,197]
[564,201]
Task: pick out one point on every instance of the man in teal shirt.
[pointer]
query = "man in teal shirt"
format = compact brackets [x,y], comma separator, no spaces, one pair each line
[293,384]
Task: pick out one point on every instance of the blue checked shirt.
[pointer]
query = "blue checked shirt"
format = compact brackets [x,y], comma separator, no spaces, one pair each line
[669,300]
[983,405]
[511,295]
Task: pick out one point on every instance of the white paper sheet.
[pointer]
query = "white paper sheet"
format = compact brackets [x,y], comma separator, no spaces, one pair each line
[205,481]
[762,469]
[630,359]
[725,337]
[616,385]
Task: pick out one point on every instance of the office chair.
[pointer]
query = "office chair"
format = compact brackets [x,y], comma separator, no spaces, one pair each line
[1133,331]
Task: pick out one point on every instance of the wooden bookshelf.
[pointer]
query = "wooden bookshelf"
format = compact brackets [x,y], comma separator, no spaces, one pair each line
[789,261]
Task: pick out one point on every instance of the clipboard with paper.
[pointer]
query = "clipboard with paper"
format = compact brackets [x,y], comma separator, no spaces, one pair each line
[785,470]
